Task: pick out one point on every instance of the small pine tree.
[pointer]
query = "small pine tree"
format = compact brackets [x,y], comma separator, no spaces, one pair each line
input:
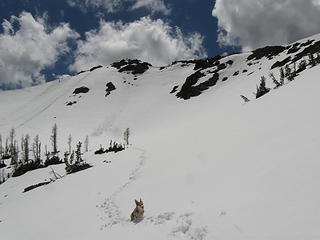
[288,73]
[312,60]
[302,65]
[282,76]
[318,58]
[262,89]
[78,153]
[66,157]
[72,157]
[275,81]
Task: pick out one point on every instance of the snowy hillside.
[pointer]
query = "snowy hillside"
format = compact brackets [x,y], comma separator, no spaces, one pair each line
[206,164]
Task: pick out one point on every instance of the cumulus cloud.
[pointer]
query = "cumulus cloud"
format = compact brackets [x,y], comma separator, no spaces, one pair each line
[149,40]
[154,6]
[27,48]
[255,23]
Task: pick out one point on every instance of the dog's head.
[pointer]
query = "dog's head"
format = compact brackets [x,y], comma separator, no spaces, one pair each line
[139,204]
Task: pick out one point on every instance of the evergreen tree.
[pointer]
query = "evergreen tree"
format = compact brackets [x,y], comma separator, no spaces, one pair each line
[302,65]
[262,89]
[275,81]
[78,153]
[312,60]
[288,73]
[282,76]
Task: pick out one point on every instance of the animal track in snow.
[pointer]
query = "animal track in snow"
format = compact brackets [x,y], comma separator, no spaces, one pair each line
[160,219]
[185,229]
[112,214]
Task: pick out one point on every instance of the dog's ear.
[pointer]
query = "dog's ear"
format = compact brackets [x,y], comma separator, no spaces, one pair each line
[137,203]
[141,201]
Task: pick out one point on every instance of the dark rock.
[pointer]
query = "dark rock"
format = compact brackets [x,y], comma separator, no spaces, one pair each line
[175,88]
[230,62]
[134,66]
[81,72]
[190,89]
[236,73]
[311,49]
[309,42]
[295,48]
[224,79]
[110,88]
[81,90]
[71,103]
[281,63]
[94,68]
[268,52]
[207,63]
[187,90]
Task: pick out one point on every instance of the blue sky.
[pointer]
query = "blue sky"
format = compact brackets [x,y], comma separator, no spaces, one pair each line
[42,39]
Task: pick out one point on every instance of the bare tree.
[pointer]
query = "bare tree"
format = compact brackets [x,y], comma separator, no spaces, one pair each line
[69,143]
[54,136]
[7,149]
[47,153]
[126,135]
[12,135]
[86,144]
[1,148]
[36,149]
[15,155]
[26,148]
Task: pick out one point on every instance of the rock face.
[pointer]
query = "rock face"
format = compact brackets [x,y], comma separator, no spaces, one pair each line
[94,68]
[81,90]
[132,66]
[110,88]
[268,52]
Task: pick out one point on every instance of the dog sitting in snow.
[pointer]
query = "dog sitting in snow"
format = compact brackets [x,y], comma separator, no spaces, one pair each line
[137,214]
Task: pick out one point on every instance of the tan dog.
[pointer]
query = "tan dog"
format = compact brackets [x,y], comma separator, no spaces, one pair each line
[137,214]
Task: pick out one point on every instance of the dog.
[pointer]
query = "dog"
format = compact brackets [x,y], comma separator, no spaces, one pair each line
[137,214]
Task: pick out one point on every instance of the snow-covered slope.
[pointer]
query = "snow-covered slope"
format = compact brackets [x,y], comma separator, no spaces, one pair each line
[207,165]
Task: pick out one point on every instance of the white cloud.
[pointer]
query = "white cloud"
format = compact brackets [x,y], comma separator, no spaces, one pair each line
[155,6]
[26,51]
[145,39]
[255,23]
